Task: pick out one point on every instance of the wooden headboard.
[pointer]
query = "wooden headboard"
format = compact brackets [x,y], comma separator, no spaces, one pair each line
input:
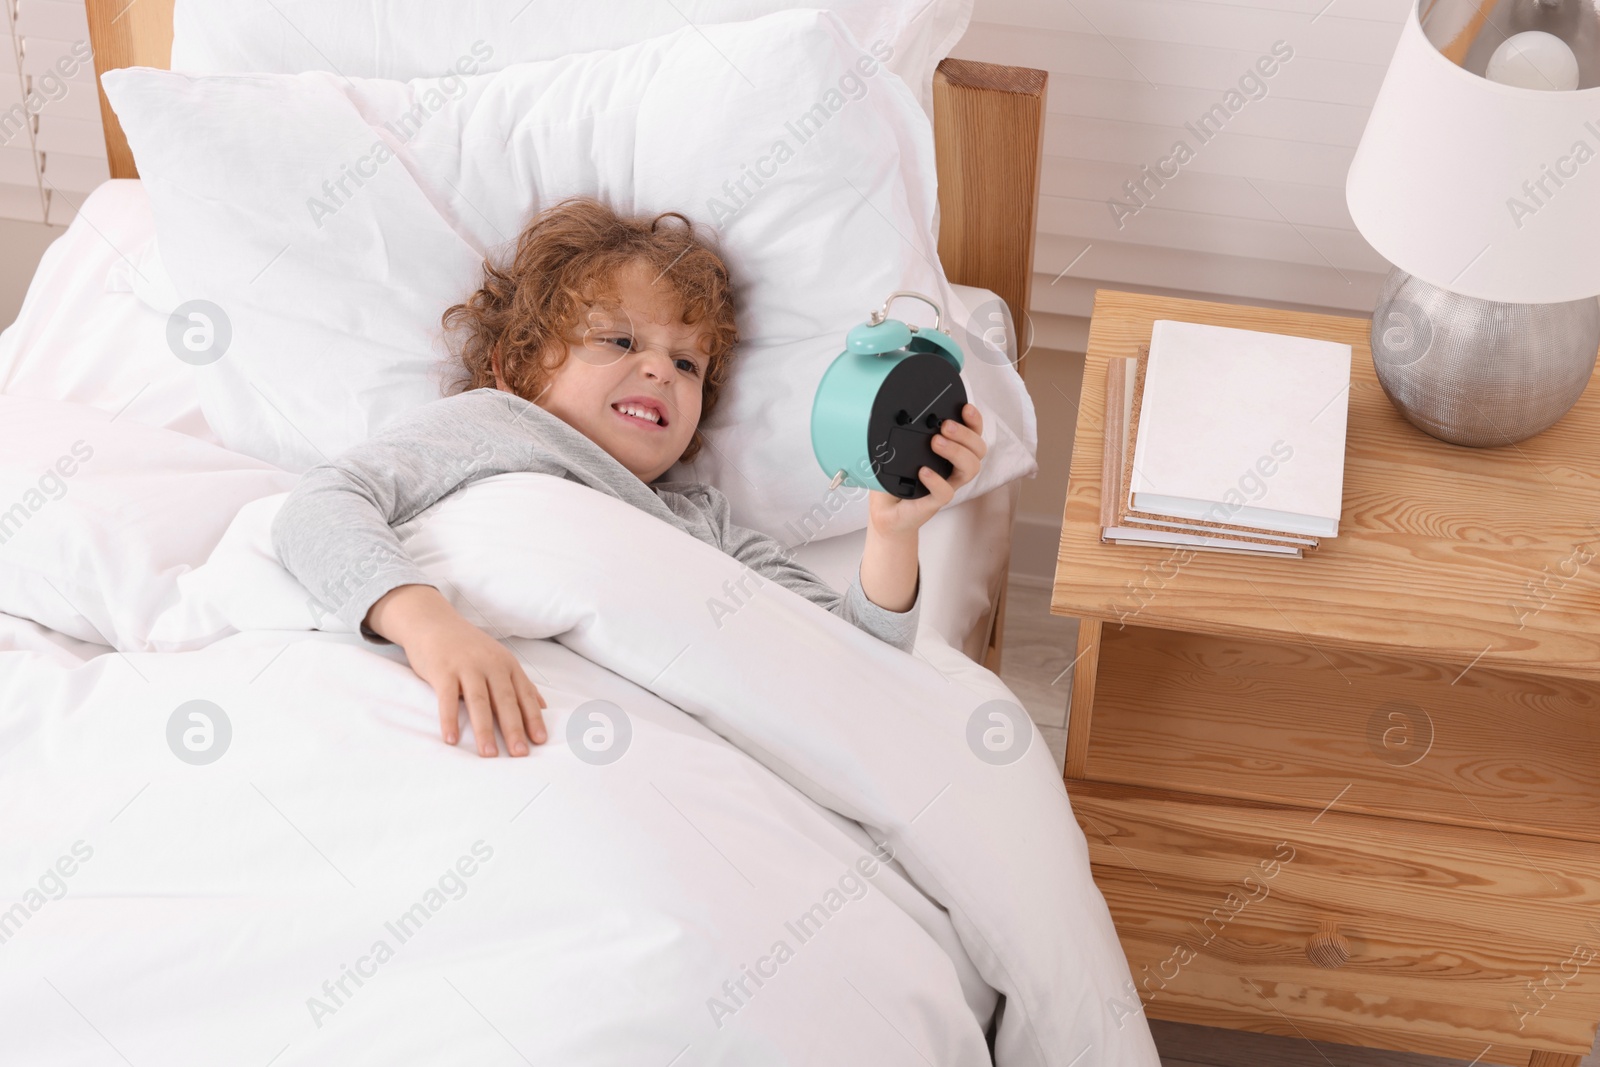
[988,125]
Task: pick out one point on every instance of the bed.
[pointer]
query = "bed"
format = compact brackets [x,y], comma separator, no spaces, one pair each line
[774,840]
[83,299]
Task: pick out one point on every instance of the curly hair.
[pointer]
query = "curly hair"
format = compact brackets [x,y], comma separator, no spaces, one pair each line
[566,259]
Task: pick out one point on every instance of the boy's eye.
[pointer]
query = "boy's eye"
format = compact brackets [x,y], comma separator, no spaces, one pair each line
[622,341]
[692,368]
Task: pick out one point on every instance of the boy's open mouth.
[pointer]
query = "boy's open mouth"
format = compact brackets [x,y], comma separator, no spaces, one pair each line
[641,412]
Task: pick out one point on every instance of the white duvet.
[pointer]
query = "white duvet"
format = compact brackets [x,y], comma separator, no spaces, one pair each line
[754,838]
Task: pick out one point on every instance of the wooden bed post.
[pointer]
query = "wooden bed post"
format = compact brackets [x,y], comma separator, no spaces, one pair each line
[988,124]
[127,33]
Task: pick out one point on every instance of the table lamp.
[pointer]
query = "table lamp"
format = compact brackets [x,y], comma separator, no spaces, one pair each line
[1478,179]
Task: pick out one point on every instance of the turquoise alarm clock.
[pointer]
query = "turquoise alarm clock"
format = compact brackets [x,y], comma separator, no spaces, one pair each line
[882,401]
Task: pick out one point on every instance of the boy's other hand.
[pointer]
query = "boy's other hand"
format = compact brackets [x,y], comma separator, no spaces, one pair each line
[959,442]
[462,662]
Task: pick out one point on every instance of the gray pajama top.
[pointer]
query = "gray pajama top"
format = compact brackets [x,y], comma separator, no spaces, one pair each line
[335,533]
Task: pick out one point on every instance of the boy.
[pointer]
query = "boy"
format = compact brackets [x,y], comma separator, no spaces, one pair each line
[594,356]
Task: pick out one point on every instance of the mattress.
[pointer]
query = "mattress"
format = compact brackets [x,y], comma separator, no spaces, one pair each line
[88,333]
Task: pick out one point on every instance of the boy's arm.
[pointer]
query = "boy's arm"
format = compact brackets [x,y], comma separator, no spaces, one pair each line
[889,576]
[897,628]
[768,558]
[890,570]
[335,532]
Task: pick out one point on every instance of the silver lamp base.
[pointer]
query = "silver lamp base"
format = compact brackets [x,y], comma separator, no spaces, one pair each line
[1477,372]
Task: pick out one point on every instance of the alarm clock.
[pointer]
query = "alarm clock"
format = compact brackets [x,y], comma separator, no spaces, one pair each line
[881,402]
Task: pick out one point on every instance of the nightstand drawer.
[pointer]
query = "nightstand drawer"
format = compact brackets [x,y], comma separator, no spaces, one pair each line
[1227,908]
[1296,725]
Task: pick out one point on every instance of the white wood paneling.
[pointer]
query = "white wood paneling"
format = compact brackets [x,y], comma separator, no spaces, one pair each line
[1065,14]
[62,133]
[76,173]
[52,149]
[21,202]
[1137,144]
[1256,214]
[1130,25]
[1274,114]
[1217,194]
[17,164]
[1161,227]
[1162,63]
[46,55]
[20,193]
[1224,277]
[65,20]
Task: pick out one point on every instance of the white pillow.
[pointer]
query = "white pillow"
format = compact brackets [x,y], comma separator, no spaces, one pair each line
[425,38]
[99,516]
[330,295]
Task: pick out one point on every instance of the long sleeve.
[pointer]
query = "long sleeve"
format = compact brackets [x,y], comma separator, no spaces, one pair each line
[768,558]
[335,532]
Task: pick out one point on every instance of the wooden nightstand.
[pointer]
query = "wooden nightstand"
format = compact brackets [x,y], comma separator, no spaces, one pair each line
[1354,797]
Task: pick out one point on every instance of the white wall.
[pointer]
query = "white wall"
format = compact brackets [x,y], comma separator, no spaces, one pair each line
[1257,215]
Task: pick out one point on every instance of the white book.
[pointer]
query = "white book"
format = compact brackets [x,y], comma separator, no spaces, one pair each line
[1237,548]
[1243,427]
[1123,526]
[1198,528]
[1136,535]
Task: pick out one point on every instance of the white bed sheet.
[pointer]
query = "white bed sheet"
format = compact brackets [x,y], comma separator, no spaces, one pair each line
[59,649]
[213,910]
[221,901]
[85,334]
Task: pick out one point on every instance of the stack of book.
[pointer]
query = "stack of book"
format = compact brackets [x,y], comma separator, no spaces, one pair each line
[1225,440]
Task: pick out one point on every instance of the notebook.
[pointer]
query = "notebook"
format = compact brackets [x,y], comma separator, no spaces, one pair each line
[1243,427]
[1122,525]
[1215,522]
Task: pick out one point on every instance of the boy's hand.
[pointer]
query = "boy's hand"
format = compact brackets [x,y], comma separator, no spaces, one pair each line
[959,442]
[461,662]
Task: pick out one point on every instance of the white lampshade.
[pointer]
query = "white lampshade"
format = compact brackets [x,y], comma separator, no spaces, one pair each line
[1488,190]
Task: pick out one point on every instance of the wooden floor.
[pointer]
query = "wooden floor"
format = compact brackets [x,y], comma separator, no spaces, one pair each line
[1036,666]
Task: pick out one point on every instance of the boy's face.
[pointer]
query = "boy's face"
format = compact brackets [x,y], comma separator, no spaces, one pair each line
[638,354]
